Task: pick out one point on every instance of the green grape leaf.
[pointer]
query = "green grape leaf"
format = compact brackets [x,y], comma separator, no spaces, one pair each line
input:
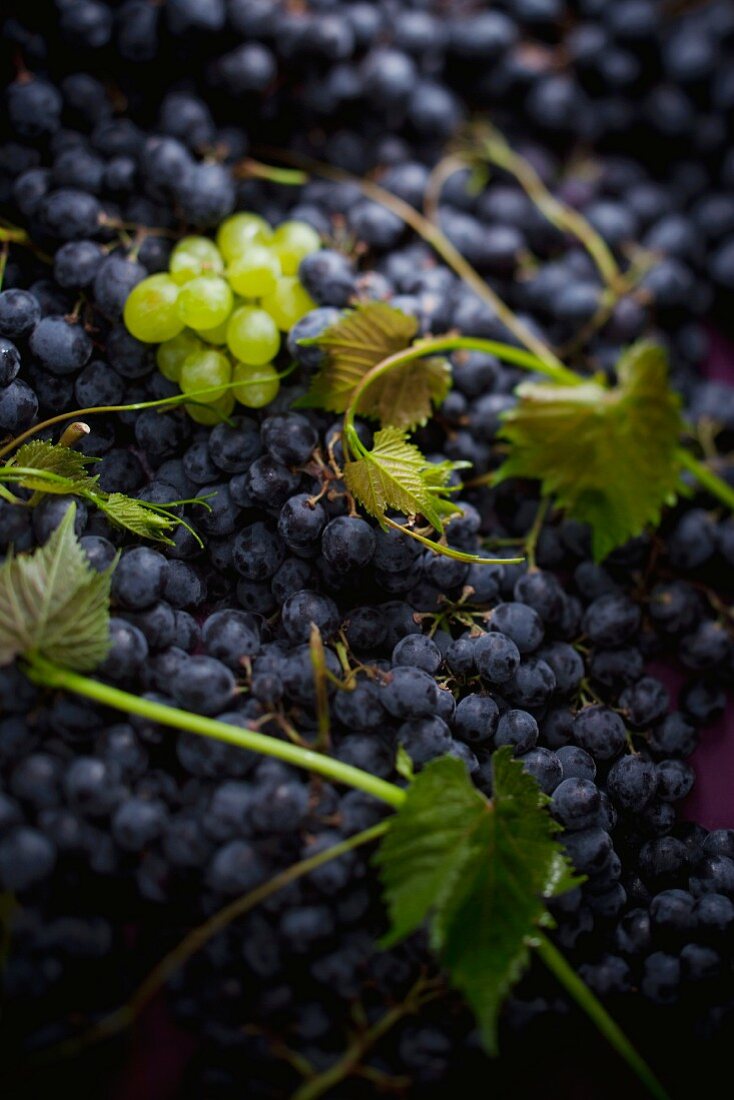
[394,474]
[54,604]
[358,341]
[60,469]
[133,515]
[405,397]
[609,456]
[478,870]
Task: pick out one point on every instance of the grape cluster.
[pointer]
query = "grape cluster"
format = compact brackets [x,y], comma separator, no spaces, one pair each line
[219,327]
[117,836]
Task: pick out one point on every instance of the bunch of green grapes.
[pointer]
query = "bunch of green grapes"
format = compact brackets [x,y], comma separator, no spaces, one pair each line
[219,312]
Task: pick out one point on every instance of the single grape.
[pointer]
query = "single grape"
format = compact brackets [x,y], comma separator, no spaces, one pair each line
[237,232]
[216,335]
[194,256]
[288,302]
[214,412]
[151,312]
[206,369]
[292,242]
[255,272]
[257,387]
[252,336]
[170,355]
[205,302]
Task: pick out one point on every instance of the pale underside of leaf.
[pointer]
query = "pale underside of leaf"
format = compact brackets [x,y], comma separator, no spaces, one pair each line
[135,517]
[52,602]
[607,456]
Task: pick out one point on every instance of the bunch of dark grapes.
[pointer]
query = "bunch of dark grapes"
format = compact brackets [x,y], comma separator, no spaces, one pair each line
[117,836]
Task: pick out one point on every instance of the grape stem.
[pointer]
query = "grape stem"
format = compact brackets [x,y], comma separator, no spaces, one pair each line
[599,1016]
[706,478]
[46,672]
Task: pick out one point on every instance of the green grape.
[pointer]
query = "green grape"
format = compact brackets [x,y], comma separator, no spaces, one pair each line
[206,369]
[194,256]
[170,354]
[239,231]
[257,387]
[255,273]
[205,302]
[287,303]
[252,336]
[216,335]
[213,413]
[291,242]
[151,310]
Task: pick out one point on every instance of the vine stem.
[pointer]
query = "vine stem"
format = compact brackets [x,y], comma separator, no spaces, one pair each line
[710,481]
[433,236]
[421,993]
[519,358]
[599,1016]
[494,148]
[194,941]
[46,672]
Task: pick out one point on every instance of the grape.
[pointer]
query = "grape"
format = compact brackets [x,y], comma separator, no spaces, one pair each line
[194,256]
[288,302]
[151,310]
[252,336]
[256,272]
[292,242]
[205,302]
[171,354]
[206,370]
[216,335]
[257,387]
[239,231]
[213,412]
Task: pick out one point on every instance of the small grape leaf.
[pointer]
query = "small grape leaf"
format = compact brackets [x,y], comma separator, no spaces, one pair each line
[54,604]
[405,397]
[65,468]
[394,474]
[361,339]
[607,455]
[478,870]
[133,515]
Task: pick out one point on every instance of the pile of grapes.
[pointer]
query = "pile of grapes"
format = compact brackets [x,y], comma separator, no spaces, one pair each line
[217,219]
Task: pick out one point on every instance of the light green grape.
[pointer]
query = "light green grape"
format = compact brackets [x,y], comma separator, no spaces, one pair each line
[292,241]
[170,354]
[257,387]
[205,302]
[288,302]
[214,413]
[151,310]
[206,369]
[252,336]
[216,335]
[239,231]
[255,272]
[194,256]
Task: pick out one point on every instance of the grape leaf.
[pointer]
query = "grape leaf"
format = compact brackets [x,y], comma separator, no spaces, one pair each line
[65,469]
[54,604]
[361,339]
[607,455]
[133,515]
[394,474]
[478,870]
[405,397]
